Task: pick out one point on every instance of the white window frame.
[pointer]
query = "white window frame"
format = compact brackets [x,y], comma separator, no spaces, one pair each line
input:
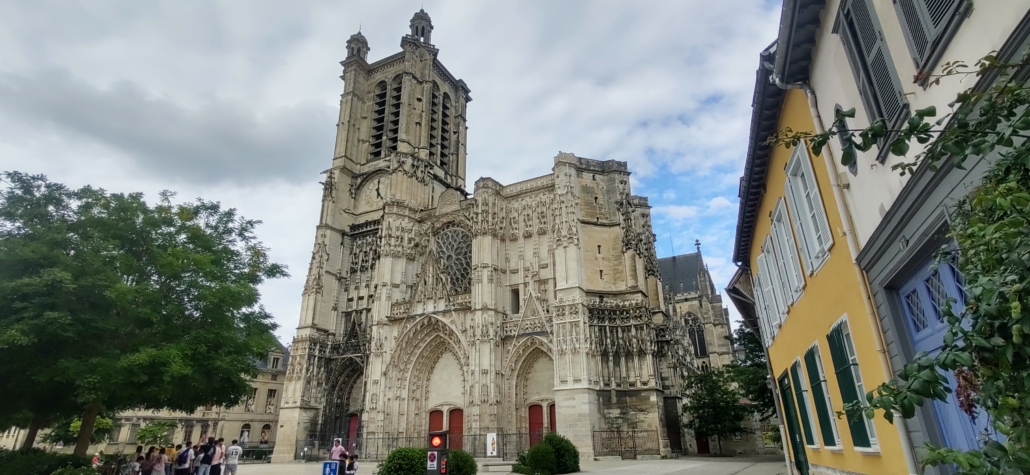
[808,404]
[849,348]
[781,294]
[808,214]
[826,394]
[787,253]
[763,312]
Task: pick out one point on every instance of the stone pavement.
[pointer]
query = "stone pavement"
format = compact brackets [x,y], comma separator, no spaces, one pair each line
[682,466]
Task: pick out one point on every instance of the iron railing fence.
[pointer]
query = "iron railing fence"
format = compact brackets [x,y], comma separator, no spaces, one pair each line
[509,446]
[628,444]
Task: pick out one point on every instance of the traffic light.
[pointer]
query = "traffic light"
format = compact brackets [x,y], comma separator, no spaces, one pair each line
[436,463]
[437,440]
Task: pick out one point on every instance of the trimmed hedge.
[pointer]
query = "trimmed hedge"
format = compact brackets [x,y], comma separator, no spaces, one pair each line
[404,461]
[566,455]
[37,462]
[541,457]
[460,462]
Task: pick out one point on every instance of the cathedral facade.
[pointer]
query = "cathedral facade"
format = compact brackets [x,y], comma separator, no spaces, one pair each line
[522,308]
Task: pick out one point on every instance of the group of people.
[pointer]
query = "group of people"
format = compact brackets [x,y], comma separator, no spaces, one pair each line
[212,458]
[348,462]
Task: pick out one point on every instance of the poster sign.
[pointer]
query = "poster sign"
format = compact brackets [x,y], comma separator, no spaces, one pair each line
[431,463]
[331,467]
[491,444]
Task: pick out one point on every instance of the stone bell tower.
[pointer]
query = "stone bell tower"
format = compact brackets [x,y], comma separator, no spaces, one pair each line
[400,145]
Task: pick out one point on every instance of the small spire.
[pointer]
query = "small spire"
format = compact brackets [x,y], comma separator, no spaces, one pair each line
[697,244]
[422,26]
[357,46]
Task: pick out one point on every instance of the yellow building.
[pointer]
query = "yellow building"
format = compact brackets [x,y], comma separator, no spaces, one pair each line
[807,299]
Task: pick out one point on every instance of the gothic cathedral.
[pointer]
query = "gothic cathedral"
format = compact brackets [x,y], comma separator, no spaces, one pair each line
[523,308]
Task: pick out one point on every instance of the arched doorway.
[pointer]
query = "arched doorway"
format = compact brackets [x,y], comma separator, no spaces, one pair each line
[435,420]
[343,401]
[536,424]
[352,432]
[244,435]
[455,428]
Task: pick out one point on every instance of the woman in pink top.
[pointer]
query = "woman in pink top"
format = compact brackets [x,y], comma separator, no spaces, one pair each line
[159,462]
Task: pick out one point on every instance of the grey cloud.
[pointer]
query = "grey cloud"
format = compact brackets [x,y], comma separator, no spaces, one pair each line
[213,141]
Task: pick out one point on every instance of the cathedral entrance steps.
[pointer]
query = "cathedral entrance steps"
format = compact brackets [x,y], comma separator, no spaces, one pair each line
[495,465]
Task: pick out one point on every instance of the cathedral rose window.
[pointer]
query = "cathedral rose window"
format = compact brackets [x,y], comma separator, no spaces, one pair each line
[454,254]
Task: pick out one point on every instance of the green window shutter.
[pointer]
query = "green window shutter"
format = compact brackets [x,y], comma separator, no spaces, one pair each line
[876,74]
[823,412]
[806,419]
[846,382]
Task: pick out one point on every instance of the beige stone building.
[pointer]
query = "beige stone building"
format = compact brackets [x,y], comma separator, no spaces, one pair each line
[254,421]
[519,308]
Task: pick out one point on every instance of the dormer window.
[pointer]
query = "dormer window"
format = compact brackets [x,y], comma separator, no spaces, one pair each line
[275,362]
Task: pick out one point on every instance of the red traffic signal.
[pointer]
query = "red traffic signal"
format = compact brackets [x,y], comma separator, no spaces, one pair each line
[438,440]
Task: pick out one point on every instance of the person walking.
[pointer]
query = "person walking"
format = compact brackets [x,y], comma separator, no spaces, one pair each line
[160,460]
[352,465]
[172,454]
[218,458]
[206,455]
[337,452]
[147,466]
[232,458]
[184,459]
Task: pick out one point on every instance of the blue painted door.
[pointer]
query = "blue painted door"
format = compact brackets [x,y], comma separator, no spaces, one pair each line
[922,298]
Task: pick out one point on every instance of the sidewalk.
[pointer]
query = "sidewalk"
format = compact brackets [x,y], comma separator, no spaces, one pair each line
[766,465]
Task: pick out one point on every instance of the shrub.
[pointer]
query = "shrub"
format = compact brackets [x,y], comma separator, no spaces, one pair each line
[37,462]
[566,455]
[75,471]
[460,462]
[541,457]
[405,461]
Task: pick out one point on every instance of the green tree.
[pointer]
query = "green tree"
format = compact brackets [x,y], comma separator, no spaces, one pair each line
[156,433]
[122,305]
[66,431]
[713,406]
[986,346]
[751,373]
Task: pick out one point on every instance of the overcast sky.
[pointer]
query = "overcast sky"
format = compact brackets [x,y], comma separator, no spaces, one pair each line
[237,101]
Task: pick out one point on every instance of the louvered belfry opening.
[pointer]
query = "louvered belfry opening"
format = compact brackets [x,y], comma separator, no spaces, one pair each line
[378,121]
[434,125]
[445,132]
[393,124]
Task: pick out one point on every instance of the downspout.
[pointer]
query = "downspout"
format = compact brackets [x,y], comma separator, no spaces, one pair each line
[849,233]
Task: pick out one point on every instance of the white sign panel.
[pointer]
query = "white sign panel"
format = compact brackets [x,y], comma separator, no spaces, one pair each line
[431,464]
[491,444]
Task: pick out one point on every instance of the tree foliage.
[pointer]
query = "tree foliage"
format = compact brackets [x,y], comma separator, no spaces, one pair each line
[108,303]
[156,433]
[66,431]
[713,406]
[752,372]
[986,345]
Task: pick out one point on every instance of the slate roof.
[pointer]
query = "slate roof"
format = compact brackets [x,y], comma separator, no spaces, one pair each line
[262,364]
[680,272]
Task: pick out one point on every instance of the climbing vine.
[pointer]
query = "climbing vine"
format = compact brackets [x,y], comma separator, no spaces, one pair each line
[984,347]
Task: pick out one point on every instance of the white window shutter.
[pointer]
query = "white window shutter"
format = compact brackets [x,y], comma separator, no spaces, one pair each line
[822,224]
[760,310]
[775,273]
[765,294]
[797,220]
[792,263]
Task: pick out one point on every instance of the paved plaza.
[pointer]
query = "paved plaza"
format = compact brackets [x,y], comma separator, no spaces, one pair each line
[682,466]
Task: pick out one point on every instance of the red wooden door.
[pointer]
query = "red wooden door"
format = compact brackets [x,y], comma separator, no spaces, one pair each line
[702,446]
[456,427]
[536,424]
[352,433]
[551,419]
[435,421]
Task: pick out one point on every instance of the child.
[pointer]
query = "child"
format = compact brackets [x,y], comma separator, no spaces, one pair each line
[352,465]
[134,466]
